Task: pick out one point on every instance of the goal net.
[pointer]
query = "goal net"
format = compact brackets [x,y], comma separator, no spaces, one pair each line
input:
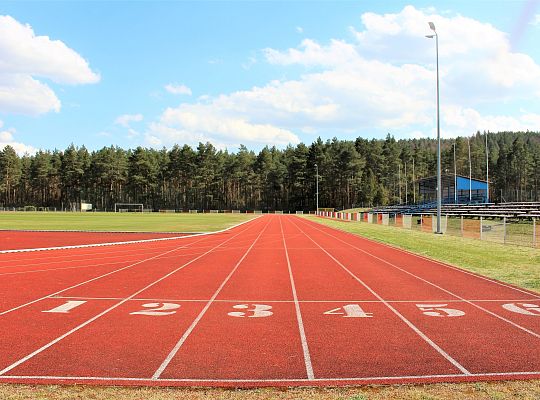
[128,207]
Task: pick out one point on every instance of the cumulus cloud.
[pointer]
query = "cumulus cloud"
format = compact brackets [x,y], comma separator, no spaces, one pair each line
[26,57]
[178,89]
[463,121]
[126,119]
[382,78]
[7,139]
[208,122]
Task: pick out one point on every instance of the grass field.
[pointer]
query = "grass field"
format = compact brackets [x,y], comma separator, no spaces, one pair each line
[512,264]
[139,222]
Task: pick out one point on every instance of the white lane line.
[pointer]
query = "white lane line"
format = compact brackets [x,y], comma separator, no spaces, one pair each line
[113,272]
[401,316]
[530,332]
[277,380]
[82,246]
[58,339]
[476,275]
[31,271]
[101,253]
[427,301]
[94,279]
[186,334]
[115,256]
[305,347]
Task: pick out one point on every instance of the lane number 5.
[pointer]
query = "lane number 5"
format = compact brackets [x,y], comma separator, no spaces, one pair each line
[439,310]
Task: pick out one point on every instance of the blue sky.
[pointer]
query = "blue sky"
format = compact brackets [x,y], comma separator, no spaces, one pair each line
[260,72]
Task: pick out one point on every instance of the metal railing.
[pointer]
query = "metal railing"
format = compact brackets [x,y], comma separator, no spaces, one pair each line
[504,230]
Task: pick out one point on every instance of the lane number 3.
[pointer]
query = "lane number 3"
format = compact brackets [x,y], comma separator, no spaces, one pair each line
[251,311]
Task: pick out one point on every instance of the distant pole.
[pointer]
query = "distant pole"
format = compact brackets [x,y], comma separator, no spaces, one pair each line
[470,171]
[317,184]
[487,170]
[455,175]
[399,182]
[439,184]
[414,185]
[406,197]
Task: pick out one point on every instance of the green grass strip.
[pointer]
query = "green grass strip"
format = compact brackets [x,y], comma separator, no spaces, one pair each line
[511,264]
[117,222]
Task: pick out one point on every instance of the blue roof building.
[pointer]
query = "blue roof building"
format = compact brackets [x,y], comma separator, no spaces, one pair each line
[455,189]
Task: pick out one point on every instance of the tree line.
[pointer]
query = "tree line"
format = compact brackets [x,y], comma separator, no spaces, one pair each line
[360,173]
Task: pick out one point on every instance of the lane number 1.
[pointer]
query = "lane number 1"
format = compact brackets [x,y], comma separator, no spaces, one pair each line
[66,307]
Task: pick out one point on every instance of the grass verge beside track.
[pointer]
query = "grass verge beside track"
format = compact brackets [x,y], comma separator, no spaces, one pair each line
[120,222]
[524,390]
[511,264]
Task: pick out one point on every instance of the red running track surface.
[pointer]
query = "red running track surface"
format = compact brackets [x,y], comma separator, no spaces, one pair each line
[277,301]
[14,240]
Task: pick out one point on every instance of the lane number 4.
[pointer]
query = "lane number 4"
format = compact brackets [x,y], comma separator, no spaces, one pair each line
[350,311]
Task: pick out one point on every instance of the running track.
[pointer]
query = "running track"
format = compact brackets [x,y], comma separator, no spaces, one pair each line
[280,300]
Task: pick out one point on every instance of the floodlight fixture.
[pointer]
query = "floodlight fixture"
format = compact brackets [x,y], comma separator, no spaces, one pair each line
[439,183]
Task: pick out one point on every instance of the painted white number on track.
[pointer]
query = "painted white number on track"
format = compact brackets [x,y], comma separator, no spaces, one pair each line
[523,308]
[439,310]
[350,311]
[256,311]
[157,309]
[66,307]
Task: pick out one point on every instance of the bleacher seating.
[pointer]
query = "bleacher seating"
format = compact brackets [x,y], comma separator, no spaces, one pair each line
[488,210]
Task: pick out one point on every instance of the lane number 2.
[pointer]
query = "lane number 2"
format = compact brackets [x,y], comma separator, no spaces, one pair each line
[157,309]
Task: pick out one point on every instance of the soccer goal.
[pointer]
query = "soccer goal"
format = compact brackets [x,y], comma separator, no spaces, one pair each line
[128,207]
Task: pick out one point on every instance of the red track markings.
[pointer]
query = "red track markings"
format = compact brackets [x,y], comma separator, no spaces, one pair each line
[39,286]
[89,321]
[400,316]
[496,315]
[305,346]
[188,331]
[282,301]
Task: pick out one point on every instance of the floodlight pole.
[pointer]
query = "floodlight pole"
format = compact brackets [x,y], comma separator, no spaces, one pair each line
[487,170]
[470,171]
[455,175]
[439,184]
[317,184]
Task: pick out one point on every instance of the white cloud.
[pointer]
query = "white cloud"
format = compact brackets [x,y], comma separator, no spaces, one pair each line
[22,94]
[381,80]
[249,63]
[536,20]
[382,72]
[178,89]
[207,122]
[299,29]
[25,57]
[126,119]
[132,134]
[7,139]
[312,53]
[462,121]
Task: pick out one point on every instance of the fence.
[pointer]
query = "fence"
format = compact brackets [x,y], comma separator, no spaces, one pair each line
[520,232]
